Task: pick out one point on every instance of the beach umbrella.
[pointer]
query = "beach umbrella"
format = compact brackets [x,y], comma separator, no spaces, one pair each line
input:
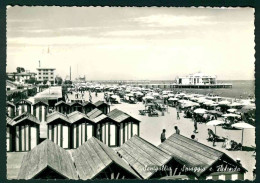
[173,99]
[155,94]
[149,97]
[232,110]
[215,123]
[224,102]
[235,104]
[114,96]
[200,111]
[242,125]
[209,102]
[231,115]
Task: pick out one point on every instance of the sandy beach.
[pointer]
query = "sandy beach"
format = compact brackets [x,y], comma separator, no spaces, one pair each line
[154,125]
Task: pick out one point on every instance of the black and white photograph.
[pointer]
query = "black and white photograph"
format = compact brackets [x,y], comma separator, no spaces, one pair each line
[158,93]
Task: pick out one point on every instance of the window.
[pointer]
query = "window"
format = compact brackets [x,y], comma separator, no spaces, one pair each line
[40,77]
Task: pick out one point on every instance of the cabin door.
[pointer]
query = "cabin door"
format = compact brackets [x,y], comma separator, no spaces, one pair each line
[65,138]
[33,136]
[112,135]
[135,129]
[8,138]
[89,131]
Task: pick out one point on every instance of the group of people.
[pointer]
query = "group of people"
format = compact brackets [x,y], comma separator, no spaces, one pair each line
[163,134]
[177,131]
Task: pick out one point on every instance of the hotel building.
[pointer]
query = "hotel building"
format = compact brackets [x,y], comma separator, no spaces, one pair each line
[46,74]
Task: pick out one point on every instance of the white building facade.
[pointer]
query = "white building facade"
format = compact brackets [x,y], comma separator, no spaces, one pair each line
[46,74]
[197,79]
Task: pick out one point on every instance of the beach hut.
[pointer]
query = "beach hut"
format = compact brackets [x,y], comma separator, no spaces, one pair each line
[128,125]
[23,106]
[9,134]
[26,132]
[95,160]
[40,110]
[62,107]
[47,161]
[94,113]
[200,160]
[108,130]
[10,109]
[87,107]
[148,160]
[104,107]
[58,126]
[82,128]
[75,106]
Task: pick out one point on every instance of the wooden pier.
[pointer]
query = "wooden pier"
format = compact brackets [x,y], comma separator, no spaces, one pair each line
[172,86]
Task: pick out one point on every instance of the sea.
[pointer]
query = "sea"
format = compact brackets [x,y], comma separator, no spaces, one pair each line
[240,89]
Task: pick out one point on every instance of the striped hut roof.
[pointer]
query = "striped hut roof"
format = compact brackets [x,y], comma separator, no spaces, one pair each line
[94,113]
[119,115]
[93,157]
[10,103]
[25,116]
[74,103]
[99,103]
[26,101]
[47,155]
[85,103]
[60,102]
[9,121]
[57,115]
[139,153]
[76,116]
[192,153]
[41,102]
[100,118]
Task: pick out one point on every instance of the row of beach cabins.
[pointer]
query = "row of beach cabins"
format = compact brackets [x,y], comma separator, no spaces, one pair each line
[69,125]
[176,158]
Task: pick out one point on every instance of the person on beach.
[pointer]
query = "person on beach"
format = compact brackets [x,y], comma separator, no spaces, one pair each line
[178,115]
[177,131]
[99,134]
[163,138]
[193,137]
[212,135]
[195,126]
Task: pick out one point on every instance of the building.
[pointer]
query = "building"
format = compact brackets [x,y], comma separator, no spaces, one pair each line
[141,154]
[25,132]
[47,161]
[197,79]
[22,77]
[9,136]
[46,74]
[23,106]
[202,161]
[95,160]
[107,130]
[104,107]
[59,129]
[82,128]
[127,125]
[10,109]
[40,110]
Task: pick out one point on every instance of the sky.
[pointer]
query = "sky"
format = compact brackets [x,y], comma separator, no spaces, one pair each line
[131,43]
